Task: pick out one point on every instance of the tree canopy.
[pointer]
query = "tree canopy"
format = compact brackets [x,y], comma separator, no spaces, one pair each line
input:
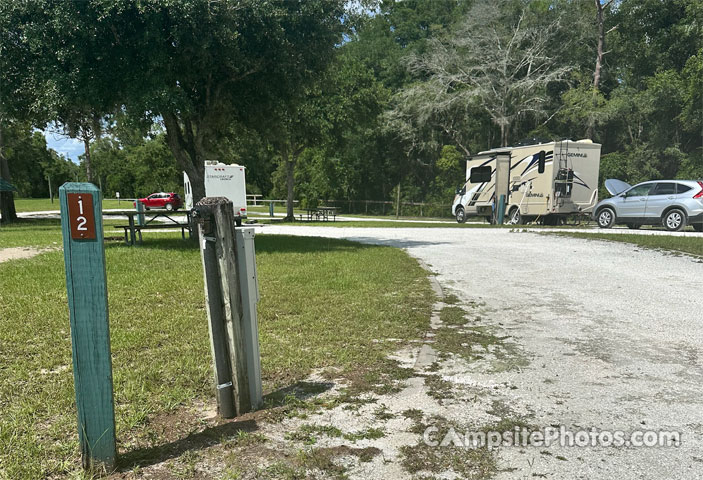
[319,102]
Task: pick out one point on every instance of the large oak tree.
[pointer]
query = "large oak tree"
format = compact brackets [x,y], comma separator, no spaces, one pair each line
[195,65]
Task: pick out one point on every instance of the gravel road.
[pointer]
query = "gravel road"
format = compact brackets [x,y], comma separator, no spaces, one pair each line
[613,334]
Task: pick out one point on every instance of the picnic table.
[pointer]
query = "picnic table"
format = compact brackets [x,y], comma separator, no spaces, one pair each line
[134,229]
[322,214]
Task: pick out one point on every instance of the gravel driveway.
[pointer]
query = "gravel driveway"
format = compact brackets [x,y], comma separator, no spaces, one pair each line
[611,333]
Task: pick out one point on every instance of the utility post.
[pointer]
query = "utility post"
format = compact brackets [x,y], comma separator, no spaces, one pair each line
[86,285]
[502,185]
[231,292]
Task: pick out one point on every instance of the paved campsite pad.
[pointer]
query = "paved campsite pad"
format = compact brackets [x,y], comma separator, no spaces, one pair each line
[566,332]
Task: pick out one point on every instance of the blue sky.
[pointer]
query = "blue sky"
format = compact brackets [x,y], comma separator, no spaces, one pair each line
[69,147]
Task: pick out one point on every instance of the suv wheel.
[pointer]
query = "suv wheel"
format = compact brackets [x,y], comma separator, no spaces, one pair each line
[606,217]
[460,214]
[169,207]
[698,227]
[674,220]
[633,226]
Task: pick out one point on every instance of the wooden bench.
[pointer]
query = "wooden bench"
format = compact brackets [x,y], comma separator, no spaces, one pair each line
[137,230]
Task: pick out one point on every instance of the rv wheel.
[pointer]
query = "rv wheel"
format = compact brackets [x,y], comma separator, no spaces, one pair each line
[606,218]
[515,217]
[460,215]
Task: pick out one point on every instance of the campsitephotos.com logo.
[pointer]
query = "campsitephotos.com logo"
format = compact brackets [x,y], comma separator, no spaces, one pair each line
[550,436]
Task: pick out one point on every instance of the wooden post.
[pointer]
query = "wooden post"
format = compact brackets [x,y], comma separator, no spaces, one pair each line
[219,213]
[501,210]
[140,210]
[132,231]
[216,321]
[86,284]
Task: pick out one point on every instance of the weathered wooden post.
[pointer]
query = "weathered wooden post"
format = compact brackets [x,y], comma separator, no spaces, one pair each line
[229,308]
[140,210]
[501,210]
[86,284]
[216,319]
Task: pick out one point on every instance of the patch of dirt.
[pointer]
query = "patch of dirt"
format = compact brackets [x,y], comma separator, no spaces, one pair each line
[16,253]
[368,425]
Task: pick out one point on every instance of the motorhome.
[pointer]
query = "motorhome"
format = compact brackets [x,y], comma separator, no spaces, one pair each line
[543,182]
[222,180]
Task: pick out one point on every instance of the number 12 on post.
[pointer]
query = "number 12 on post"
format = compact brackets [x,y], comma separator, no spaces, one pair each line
[81,217]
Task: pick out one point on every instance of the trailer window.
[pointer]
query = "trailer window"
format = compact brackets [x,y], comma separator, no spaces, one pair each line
[480,174]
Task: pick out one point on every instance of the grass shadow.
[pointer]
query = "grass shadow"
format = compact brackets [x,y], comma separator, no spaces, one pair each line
[216,435]
[299,391]
[170,243]
[144,457]
[32,223]
[295,244]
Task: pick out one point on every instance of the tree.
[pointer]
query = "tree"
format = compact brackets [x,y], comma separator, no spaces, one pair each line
[7,201]
[601,8]
[494,59]
[197,66]
[346,96]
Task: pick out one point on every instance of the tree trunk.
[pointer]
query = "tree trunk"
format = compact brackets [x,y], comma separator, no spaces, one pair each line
[88,169]
[290,183]
[397,202]
[590,129]
[601,45]
[504,132]
[189,154]
[7,200]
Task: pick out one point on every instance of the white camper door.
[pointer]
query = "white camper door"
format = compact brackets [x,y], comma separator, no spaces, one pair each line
[188,191]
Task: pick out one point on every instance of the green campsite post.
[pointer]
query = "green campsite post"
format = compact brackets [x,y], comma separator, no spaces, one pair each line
[86,284]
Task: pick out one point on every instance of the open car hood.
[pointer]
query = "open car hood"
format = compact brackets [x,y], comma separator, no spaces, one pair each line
[615,186]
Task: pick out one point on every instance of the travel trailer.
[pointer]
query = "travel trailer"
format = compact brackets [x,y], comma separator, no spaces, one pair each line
[543,182]
[222,181]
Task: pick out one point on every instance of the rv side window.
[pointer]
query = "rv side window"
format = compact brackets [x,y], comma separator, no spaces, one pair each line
[480,174]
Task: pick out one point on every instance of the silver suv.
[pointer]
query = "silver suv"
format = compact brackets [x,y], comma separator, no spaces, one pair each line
[671,203]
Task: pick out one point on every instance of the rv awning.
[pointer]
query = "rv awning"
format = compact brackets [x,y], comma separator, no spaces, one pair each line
[6,186]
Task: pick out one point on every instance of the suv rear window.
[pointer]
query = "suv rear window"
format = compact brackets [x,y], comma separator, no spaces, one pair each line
[681,188]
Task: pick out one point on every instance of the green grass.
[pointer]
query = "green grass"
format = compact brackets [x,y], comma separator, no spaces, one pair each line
[46,232]
[44,204]
[323,303]
[690,245]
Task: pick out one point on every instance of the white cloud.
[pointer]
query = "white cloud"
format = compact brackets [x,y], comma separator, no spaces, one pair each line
[69,147]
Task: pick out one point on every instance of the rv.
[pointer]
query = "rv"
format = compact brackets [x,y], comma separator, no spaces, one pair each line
[543,182]
[222,181]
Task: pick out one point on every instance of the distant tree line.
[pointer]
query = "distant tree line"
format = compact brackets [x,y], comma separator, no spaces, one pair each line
[380,101]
